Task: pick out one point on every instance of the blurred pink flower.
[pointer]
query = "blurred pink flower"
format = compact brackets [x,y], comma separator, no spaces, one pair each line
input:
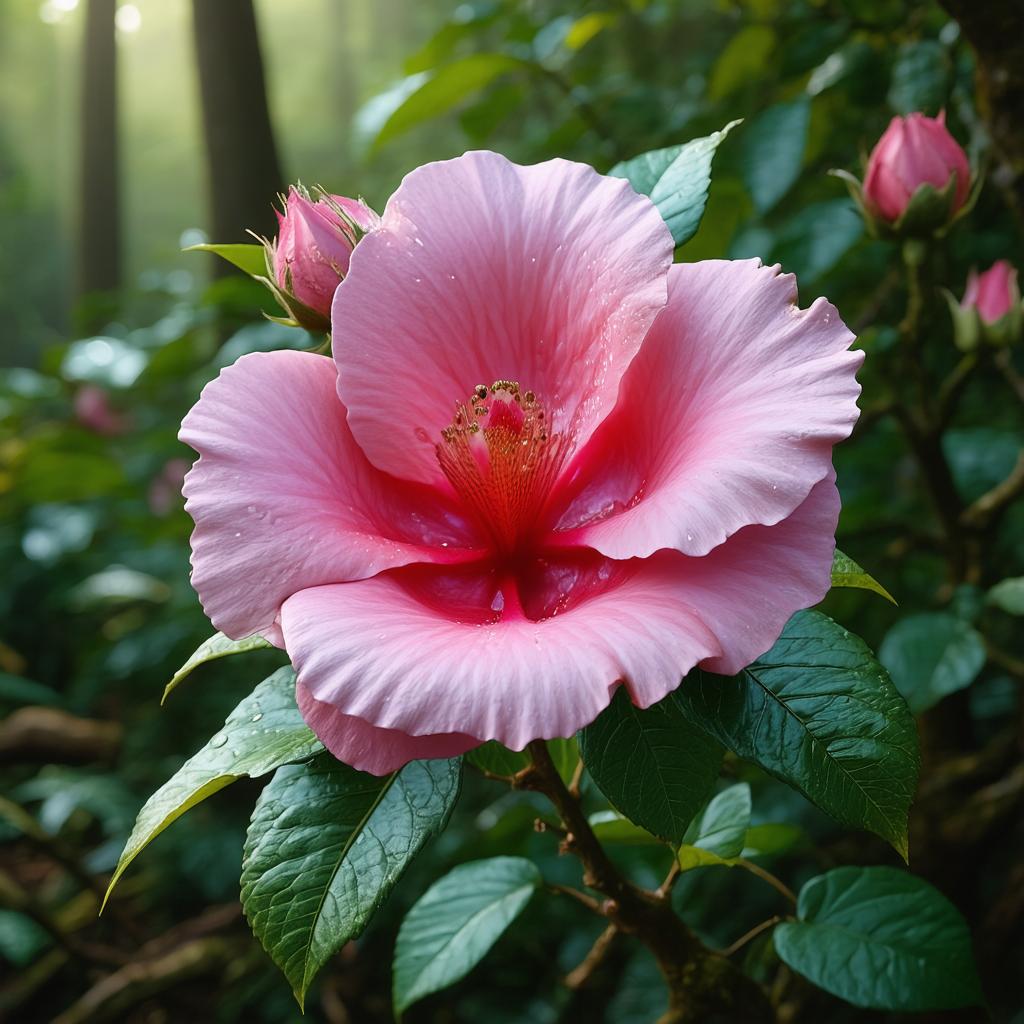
[915,150]
[314,244]
[993,293]
[164,493]
[93,410]
[544,462]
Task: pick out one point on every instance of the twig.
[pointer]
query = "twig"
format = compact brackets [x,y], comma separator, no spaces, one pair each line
[581,897]
[577,779]
[752,934]
[767,876]
[983,512]
[580,975]
[665,889]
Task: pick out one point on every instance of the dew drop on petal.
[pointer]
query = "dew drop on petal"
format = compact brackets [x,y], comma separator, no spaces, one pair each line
[219,740]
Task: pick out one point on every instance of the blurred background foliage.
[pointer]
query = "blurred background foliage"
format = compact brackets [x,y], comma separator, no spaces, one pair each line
[96,610]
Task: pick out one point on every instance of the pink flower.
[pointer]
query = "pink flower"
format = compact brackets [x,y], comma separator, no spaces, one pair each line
[94,411]
[915,150]
[314,244]
[994,293]
[544,463]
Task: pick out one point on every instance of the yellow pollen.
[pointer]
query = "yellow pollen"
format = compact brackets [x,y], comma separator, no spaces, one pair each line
[502,460]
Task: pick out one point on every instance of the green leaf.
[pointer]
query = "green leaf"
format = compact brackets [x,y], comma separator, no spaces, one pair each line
[718,834]
[656,766]
[438,91]
[920,77]
[883,939]
[326,846]
[819,713]
[498,760]
[814,240]
[772,838]
[742,61]
[456,921]
[218,646]
[612,827]
[930,656]
[264,732]
[677,180]
[250,258]
[1008,594]
[847,573]
[772,151]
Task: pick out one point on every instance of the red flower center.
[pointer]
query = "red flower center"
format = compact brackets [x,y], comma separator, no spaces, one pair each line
[502,459]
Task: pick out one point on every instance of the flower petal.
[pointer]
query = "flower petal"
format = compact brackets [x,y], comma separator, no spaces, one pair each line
[726,418]
[368,749]
[378,651]
[483,270]
[284,499]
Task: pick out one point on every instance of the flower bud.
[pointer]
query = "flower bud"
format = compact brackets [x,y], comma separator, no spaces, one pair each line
[311,253]
[94,412]
[917,153]
[990,309]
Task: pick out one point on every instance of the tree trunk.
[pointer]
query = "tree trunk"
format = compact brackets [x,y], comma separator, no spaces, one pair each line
[243,170]
[98,242]
[995,28]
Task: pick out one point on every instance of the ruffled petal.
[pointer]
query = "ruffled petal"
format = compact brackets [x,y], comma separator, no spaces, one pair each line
[283,498]
[726,418]
[367,749]
[382,651]
[483,270]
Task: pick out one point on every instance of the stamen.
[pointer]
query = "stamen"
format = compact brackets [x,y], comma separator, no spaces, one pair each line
[502,458]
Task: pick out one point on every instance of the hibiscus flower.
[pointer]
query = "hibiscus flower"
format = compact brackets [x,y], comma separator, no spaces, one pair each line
[544,462]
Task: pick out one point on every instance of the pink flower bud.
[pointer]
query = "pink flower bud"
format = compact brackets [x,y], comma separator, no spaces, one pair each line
[994,293]
[914,151]
[314,244]
[94,411]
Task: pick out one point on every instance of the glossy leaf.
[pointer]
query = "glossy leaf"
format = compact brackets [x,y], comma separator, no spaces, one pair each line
[771,839]
[772,151]
[821,714]
[881,938]
[218,646]
[250,258]
[656,766]
[718,834]
[498,760]
[458,919]
[677,180]
[847,573]
[612,827]
[742,60]
[264,732]
[930,656]
[437,91]
[1008,595]
[326,846]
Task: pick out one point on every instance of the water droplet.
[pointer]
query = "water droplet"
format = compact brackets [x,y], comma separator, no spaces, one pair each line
[238,535]
[256,717]
[250,509]
[422,434]
[219,740]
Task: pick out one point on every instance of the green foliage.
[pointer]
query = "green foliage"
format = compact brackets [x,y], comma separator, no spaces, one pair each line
[456,921]
[218,646]
[930,656]
[718,834]
[264,732]
[847,573]
[818,712]
[773,151]
[654,765]
[677,180]
[881,938]
[326,846]
[250,258]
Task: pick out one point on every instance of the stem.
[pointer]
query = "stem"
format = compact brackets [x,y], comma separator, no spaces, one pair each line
[701,983]
[579,976]
[766,876]
[752,934]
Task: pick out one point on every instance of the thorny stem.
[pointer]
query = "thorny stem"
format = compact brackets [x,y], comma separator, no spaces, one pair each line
[701,983]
